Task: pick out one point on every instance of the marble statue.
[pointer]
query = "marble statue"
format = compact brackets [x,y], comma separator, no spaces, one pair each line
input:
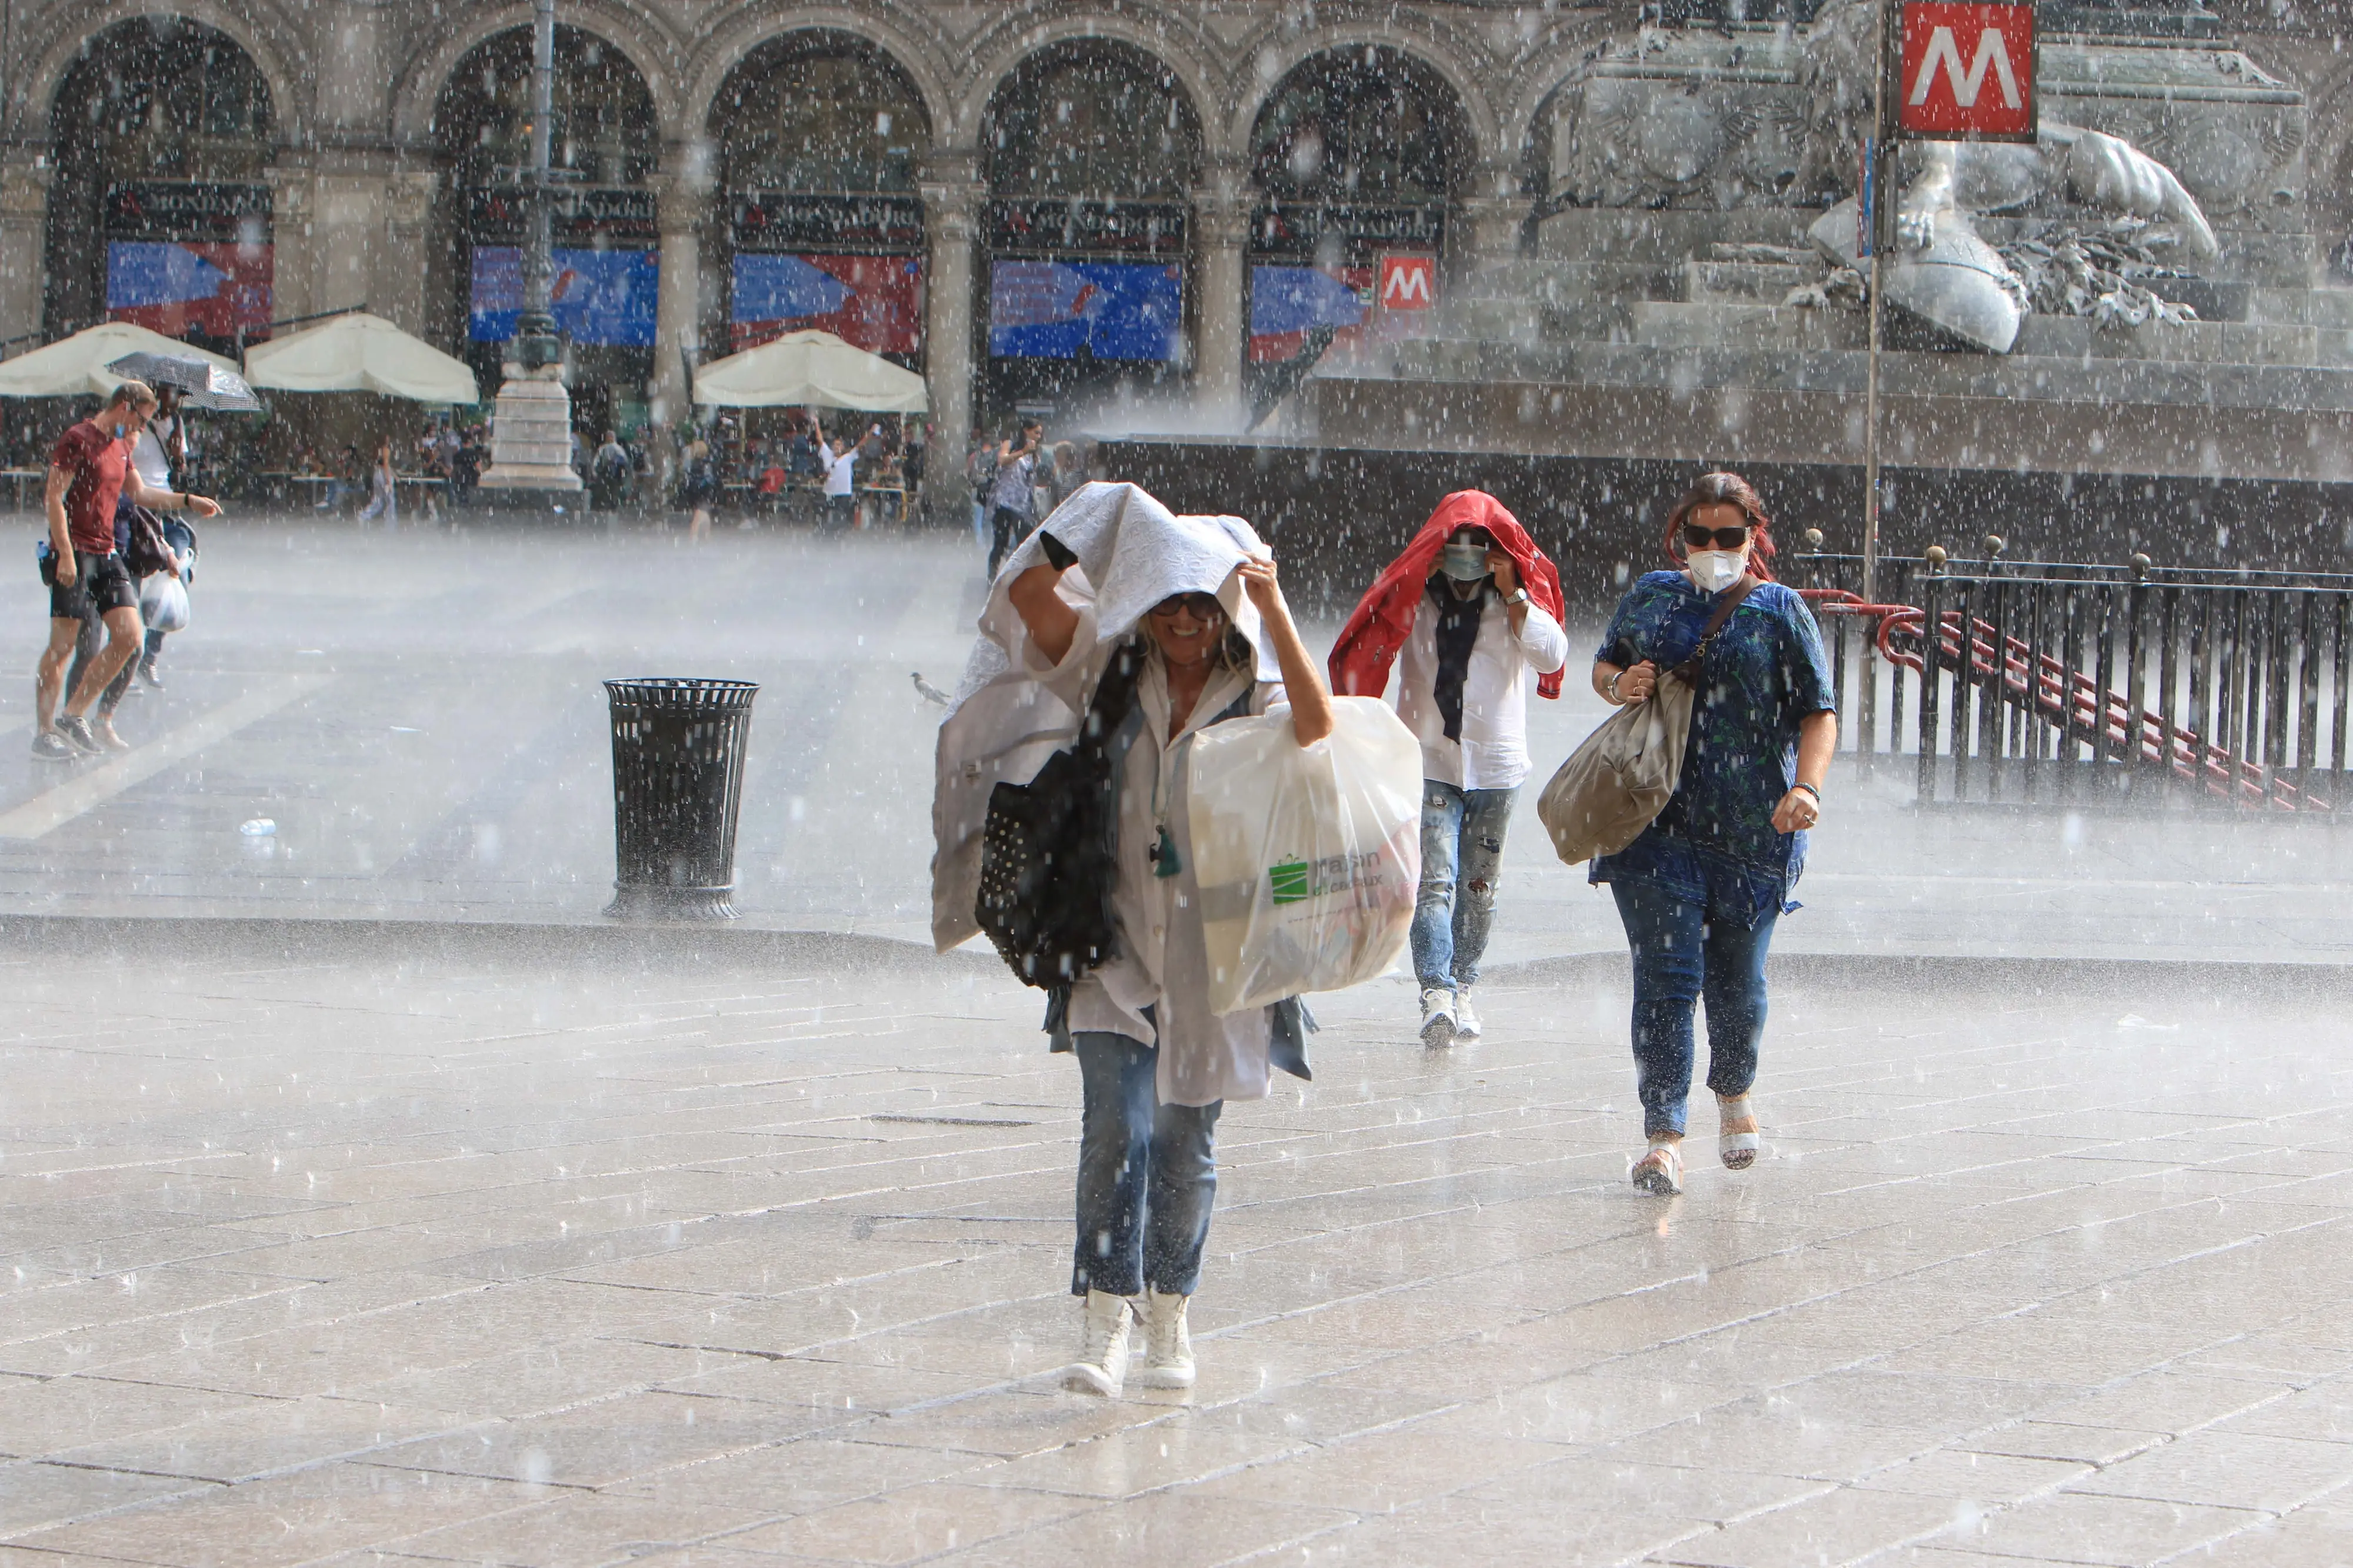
[2079,222]
[2101,199]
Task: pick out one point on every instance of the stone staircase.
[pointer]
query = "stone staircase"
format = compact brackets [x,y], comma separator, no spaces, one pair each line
[1671,310]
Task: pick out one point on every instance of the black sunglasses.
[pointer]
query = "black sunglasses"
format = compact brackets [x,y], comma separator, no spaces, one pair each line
[1698,538]
[1203,605]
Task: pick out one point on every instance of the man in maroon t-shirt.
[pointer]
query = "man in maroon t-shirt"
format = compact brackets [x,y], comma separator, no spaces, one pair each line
[89,471]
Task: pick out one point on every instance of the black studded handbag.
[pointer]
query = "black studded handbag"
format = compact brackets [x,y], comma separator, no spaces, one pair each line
[1047,868]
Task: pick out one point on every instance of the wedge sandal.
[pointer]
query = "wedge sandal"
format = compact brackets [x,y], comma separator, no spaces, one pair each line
[1738,1150]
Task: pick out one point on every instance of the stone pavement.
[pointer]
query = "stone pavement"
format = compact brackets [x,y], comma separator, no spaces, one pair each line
[419,715]
[380,1245]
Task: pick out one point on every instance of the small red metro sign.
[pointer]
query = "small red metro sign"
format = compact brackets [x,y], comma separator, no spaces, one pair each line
[1968,72]
[1409,282]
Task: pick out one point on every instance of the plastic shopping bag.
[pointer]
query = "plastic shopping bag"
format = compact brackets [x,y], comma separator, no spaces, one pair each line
[163,604]
[1308,859]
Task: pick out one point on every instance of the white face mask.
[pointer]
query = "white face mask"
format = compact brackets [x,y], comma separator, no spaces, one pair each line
[1717,569]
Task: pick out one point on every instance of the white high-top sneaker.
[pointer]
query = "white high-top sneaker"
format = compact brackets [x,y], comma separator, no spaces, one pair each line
[1466,1022]
[1101,1366]
[1437,1017]
[1167,1343]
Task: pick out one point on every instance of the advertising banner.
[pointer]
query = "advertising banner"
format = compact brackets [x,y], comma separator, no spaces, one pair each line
[604,297]
[872,302]
[1102,309]
[176,287]
[1287,303]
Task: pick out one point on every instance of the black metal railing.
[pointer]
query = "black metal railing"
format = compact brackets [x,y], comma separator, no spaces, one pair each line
[2026,681]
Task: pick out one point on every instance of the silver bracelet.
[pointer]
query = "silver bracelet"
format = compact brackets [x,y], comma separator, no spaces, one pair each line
[1611,690]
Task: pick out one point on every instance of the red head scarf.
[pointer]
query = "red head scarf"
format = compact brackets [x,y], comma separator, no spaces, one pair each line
[1369,642]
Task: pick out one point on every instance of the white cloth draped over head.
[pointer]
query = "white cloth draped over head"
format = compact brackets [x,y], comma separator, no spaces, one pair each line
[1133,552]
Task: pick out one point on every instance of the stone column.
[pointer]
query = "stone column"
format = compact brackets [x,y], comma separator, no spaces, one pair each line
[1488,220]
[678,201]
[346,229]
[951,203]
[290,190]
[1221,217]
[23,241]
[404,259]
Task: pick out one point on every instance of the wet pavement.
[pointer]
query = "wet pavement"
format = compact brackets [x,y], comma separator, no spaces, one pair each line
[419,716]
[366,1198]
[357,1248]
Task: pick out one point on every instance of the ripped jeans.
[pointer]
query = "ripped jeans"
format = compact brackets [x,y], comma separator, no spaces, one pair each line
[1462,855]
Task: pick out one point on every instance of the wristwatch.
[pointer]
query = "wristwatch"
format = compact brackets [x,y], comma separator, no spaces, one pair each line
[1517,596]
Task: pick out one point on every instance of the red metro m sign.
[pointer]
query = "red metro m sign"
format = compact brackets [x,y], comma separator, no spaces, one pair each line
[1968,72]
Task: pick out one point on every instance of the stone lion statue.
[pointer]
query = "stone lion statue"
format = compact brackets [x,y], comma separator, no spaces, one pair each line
[2107,205]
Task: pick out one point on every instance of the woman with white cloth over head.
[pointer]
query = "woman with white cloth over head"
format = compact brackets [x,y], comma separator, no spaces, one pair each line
[1200,600]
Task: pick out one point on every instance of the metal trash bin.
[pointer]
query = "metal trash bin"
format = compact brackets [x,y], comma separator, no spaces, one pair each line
[678,784]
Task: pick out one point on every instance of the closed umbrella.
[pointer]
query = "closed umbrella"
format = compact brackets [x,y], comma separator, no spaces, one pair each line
[202,384]
[813,369]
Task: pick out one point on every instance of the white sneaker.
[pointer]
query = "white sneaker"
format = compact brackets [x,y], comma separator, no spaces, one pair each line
[1466,1022]
[1101,1366]
[1167,1343]
[1437,1016]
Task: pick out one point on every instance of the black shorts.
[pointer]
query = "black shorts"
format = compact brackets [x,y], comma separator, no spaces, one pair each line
[101,583]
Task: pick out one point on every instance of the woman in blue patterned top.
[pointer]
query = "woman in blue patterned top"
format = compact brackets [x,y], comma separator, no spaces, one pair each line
[1700,891]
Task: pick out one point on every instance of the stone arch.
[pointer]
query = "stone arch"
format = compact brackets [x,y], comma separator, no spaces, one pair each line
[921,56]
[578,51]
[620,25]
[162,132]
[818,140]
[1448,167]
[1552,65]
[1186,124]
[1275,59]
[798,46]
[1155,36]
[272,39]
[610,134]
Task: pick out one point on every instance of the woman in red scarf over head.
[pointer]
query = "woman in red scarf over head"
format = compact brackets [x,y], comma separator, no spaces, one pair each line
[1469,611]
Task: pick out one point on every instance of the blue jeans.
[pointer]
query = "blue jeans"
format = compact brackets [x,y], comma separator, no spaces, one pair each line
[1461,854]
[1680,955]
[1148,1175]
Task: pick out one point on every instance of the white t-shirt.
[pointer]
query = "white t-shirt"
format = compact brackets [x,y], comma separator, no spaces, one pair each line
[837,473]
[1494,751]
[148,455]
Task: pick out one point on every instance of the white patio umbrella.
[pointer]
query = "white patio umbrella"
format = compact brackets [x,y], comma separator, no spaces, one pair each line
[813,369]
[77,366]
[360,352]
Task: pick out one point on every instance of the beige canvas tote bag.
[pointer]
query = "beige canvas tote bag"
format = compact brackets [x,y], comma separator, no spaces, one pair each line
[1619,780]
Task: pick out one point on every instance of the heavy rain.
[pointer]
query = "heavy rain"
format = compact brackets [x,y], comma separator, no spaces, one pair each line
[1263,780]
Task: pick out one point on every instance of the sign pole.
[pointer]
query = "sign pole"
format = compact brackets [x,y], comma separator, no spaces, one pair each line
[1878,153]
[1874,197]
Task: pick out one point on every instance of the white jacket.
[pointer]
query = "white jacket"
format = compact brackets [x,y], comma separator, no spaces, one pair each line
[1494,751]
[1014,710]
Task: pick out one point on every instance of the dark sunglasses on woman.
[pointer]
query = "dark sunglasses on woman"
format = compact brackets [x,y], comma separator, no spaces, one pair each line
[1698,538]
[1203,605]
